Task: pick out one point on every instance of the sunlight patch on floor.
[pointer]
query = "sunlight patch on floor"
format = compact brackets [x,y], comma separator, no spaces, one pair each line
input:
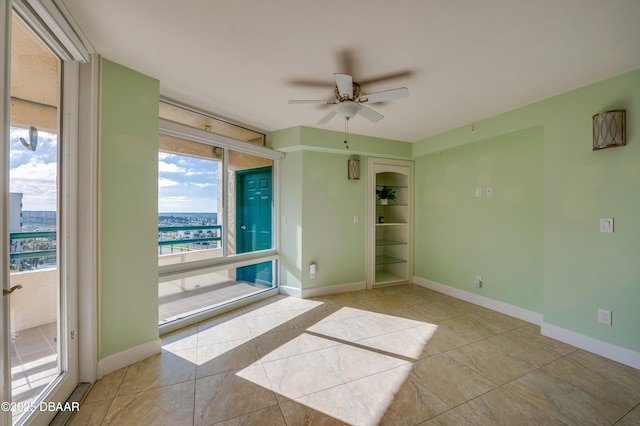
[344,362]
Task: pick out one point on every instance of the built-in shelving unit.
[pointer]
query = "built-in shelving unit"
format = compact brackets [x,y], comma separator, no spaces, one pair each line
[390,224]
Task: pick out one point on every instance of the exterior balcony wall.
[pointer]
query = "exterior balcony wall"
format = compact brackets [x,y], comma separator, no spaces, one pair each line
[36,303]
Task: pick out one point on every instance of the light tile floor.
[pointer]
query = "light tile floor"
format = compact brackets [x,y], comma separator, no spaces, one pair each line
[34,362]
[399,356]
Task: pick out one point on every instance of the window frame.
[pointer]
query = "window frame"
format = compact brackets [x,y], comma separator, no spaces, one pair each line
[226,261]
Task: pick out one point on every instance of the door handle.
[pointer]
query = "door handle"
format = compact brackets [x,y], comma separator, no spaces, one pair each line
[243,227]
[11,290]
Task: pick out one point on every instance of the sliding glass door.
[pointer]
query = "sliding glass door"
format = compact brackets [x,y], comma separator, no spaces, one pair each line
[39,355]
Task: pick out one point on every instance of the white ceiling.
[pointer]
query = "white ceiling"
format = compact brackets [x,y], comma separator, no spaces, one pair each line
[462,60]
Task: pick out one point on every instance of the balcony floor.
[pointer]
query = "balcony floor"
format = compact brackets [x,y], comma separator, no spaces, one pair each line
[34,362]
[180,298]
[34,355]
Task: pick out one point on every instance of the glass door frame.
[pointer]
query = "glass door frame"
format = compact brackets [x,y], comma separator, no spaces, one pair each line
[48,28]
[5,359]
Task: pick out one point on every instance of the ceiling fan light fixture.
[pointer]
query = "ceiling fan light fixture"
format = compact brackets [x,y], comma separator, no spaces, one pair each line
[348,102]
[347,109]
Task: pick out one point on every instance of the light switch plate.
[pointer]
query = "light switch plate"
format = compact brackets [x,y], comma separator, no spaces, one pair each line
[606,224]
[489,191]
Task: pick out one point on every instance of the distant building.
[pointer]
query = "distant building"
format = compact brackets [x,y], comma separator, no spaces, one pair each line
[15,220]
[15,212]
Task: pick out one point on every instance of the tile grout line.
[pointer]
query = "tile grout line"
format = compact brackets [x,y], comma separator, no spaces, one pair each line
[637,406]
[517,378]
[114,395]
[487,378]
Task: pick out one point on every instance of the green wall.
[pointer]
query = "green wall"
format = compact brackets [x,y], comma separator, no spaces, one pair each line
[582,269]
[128,206]
[320,203]
[311,139]
[459,236]
[331,238]
[291,226]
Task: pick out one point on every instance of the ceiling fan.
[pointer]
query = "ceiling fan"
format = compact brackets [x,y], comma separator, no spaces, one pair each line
[348,100]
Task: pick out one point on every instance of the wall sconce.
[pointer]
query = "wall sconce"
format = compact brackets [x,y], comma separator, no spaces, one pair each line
[609,129]
[353,169]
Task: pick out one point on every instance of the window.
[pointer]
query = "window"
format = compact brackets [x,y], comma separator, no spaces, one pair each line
[216,203]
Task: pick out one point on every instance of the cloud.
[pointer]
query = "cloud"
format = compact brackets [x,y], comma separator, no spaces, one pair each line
[164,167]
[165,183]
[37,181]
[191,185]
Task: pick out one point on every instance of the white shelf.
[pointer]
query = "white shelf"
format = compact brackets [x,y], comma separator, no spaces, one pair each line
[388,278]
[382,242]
[389,244]
[388,260]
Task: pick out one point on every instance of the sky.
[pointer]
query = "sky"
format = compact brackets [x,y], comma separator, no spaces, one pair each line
[34,173]
[185,184]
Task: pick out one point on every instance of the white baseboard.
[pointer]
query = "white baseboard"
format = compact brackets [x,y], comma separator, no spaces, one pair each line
[598,347]
[127,357]
[323,291]
[333,289]
[291,291]
[486,302]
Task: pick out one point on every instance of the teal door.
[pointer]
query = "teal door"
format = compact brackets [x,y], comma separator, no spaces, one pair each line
[254,198]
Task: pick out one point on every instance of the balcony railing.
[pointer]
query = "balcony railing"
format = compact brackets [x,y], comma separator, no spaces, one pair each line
[173,235]
[167,236]
[29,254]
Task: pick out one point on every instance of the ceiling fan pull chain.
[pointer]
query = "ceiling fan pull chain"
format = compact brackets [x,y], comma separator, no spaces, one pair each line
[346,132]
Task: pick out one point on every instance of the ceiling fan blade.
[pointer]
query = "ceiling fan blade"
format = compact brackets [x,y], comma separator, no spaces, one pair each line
[385,95]
[327,117]
[311,83]
[346,60]
[310,101]
[345,85]
[370,114]
[385,77]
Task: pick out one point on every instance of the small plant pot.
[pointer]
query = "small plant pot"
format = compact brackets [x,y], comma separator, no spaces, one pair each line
[384,202]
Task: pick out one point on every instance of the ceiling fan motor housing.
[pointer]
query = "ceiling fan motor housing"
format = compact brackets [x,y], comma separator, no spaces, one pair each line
[356,92]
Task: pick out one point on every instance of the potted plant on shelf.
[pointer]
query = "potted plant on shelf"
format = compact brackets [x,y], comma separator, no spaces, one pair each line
[384,194]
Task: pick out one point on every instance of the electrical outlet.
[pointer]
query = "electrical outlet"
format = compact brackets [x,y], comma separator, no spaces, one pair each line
[478,281]
[606,224]
[604,316]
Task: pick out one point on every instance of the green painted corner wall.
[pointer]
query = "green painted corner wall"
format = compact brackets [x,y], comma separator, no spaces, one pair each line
[291,220]
[312,139]
[459,236]
[582,269]
[320,203]
[128,208]
[331,238]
